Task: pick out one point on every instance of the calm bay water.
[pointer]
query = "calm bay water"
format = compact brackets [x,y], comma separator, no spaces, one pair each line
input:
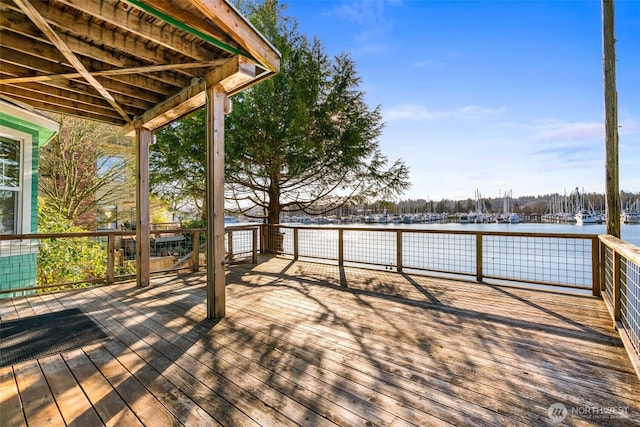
[629,232]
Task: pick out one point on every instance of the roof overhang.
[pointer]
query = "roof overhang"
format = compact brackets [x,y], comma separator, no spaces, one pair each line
[127,62]
[26,117]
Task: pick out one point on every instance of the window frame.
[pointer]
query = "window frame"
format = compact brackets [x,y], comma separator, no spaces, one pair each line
[22,223]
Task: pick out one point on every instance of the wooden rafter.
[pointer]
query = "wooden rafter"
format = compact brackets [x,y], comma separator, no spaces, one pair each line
[226,17]
[37,19]
[116,72]
[117,16]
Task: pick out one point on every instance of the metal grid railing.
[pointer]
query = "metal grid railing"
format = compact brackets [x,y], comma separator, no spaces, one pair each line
[241,244]
[561,261]
[439,252]
[621,289]
[370,247]
[18,264]
[630,300]
[318,243]
[607,285]
[44,262]
[564,260]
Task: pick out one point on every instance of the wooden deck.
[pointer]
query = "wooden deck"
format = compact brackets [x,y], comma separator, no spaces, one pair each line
[315,345]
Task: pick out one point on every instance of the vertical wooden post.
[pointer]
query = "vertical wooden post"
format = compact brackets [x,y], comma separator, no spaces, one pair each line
[479,261]
[216,304]
[230,244]
[195,252]
[144,138]
[295,243]
[254,258]
[340,246]
[615,294]
[263,238]
[595,266]
[399,251]
[612,185]
[111,249]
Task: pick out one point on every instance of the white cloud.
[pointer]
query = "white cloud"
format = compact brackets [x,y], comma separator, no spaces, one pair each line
[427,63]
[569,131]
[364,12]
[420,112]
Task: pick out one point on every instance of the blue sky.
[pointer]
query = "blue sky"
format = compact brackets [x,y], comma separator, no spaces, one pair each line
[490,95]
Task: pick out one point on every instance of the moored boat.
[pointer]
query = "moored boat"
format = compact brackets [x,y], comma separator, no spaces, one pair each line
[630,216]
[586,216]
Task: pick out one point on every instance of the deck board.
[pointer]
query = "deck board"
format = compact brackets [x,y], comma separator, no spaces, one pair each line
[315,344]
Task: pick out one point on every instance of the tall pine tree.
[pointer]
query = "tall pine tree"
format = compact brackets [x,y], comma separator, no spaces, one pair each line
[304,140]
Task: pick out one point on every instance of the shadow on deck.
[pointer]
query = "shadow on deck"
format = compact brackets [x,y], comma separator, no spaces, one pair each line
[315,344]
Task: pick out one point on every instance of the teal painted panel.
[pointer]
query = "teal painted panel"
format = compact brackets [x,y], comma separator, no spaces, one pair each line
[18,272]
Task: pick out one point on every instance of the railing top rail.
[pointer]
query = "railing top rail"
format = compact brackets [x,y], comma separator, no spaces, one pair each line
[106,233]
[242,227]
[441,231]
[628,250]
[101,233]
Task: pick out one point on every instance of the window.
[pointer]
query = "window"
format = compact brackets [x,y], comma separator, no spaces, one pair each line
[9,185]
[111,166]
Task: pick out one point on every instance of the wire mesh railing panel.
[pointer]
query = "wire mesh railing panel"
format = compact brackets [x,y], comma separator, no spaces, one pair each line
[18,265]
[77,261]
[54,261]
[165,244]
[630,300]
[607,279]
[279,240]
[318,243]
[561,261]
[370,247]
[449,253]
[239,244]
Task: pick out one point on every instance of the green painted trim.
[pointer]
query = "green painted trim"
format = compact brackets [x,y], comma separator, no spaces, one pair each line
[40,134]
[193,31]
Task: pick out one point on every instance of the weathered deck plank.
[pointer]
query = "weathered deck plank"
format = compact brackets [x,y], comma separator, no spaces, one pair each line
[315,344]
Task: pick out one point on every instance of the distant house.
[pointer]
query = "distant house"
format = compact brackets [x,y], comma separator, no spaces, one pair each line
[22,132]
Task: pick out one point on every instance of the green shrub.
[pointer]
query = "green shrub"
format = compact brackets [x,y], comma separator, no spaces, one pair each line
[63,260]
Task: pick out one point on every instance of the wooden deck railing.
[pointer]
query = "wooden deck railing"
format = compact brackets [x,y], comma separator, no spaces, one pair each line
[620,273]
[105,257]
[549,259]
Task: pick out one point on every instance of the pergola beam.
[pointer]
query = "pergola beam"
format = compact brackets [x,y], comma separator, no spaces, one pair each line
[39,21]
[233,74]
[227,17]
[116,72]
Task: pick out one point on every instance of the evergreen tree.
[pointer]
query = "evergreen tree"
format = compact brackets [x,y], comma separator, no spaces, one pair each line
[304,140]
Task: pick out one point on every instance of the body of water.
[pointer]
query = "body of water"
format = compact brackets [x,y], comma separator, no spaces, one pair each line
[629,232]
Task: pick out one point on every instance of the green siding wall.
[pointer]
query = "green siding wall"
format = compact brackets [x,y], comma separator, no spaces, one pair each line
[18,271]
